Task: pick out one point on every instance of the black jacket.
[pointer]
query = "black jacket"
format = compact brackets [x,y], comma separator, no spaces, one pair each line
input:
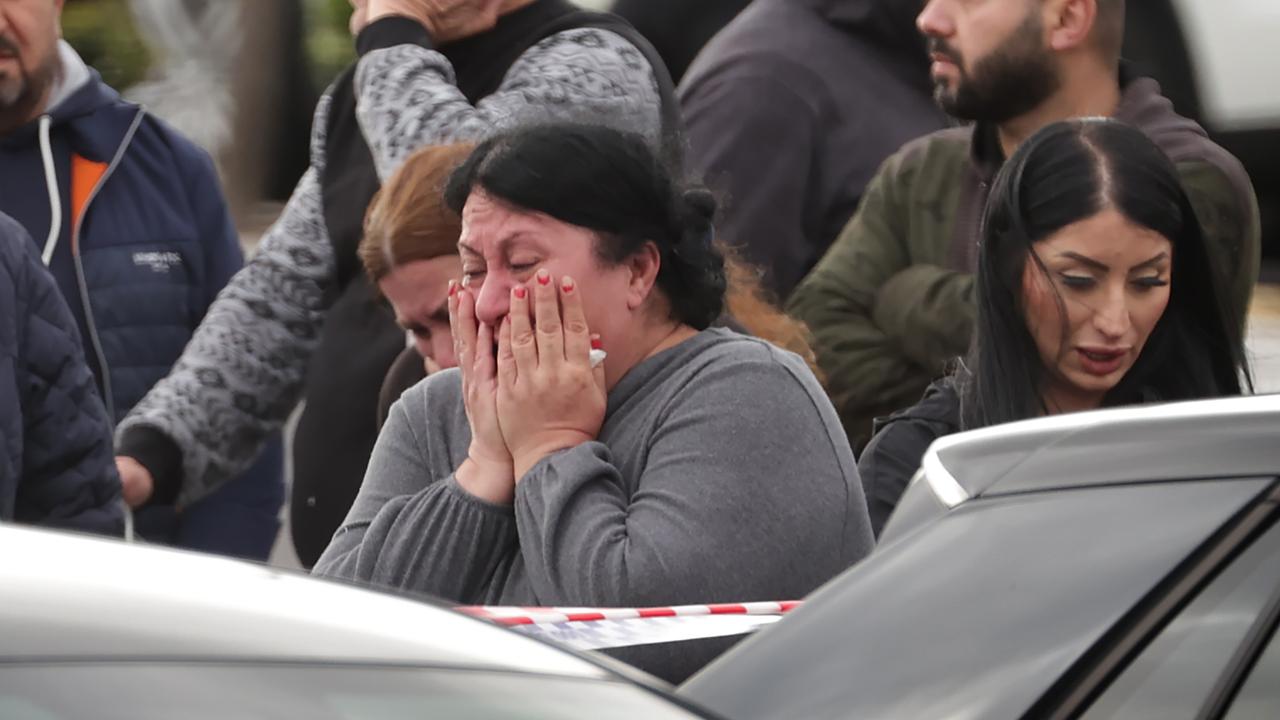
[57,467]
[893,456]
[790,111]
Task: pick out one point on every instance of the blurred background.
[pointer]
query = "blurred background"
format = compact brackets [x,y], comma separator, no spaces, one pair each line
[241,77]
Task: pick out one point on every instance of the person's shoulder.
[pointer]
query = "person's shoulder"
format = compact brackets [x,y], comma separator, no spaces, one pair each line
[937,413]
[1213,171]
[909,432]
[750,50]
[947,145]
[440,392]
[430,411]
[599,58]
[593,34]
[744,360]
[441,386]
[11,231]
[1184,140]
[14,241]
[767,29]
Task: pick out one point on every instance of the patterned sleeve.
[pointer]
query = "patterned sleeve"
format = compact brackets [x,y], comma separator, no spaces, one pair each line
[408,99]
[244,369]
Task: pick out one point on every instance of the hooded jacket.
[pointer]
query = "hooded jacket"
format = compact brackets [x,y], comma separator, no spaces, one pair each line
[789,112]
[132,220]
[893,299]
[56,464]
[678,29]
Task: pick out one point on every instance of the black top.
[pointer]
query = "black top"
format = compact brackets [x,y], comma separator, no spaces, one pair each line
[893,456]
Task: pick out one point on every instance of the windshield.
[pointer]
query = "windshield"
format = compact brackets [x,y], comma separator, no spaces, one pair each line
[142,691]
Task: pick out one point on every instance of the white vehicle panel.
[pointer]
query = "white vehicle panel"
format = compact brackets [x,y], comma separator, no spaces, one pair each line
[1234,52]
[67,596]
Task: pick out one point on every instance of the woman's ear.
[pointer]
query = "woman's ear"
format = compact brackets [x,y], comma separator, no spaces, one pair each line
[643,265]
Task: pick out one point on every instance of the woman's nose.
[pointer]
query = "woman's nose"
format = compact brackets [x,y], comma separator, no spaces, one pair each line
[493,299]
[1112,318]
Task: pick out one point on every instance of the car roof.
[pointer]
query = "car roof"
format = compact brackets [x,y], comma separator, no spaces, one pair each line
[1230,437]
[65,596]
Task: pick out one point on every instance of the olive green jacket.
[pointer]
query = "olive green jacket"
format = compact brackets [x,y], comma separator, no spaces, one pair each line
[892,301]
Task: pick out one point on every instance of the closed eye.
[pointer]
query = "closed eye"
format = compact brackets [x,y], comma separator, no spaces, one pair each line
[1077,281]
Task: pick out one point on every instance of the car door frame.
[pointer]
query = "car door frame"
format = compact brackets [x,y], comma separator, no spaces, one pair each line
[1089,677]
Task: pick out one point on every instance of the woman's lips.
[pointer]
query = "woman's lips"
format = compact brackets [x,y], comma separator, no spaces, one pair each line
[1101,361]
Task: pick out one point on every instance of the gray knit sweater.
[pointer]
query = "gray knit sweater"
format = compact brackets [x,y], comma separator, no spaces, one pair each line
[244,370]
[721,474]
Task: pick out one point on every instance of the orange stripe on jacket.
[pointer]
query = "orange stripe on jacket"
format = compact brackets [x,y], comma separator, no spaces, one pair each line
[85,175]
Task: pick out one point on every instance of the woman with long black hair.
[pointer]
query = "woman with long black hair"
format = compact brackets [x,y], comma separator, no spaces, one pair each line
[1094,289]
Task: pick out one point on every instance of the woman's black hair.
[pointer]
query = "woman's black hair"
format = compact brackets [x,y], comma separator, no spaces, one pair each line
[613,183]
[1065,173]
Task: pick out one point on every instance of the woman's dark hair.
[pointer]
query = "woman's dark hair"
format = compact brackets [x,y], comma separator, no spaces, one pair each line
[1065,173]
[613,183]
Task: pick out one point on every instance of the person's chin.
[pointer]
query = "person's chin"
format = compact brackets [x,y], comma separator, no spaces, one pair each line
[1091,383]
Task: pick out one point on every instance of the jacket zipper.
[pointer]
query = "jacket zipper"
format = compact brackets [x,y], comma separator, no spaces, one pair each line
[86,303]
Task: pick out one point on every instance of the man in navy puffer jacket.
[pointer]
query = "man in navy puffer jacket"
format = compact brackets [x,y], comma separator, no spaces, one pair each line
[135,231]
[56,466]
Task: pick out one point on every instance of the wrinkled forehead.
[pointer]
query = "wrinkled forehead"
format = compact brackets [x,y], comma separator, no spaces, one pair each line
[488,225]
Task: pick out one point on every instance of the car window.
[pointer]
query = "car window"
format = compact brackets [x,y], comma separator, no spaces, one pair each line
[1260,695]
[143,691]
[1174,675]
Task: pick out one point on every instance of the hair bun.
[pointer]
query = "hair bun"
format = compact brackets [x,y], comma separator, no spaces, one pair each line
[699,205]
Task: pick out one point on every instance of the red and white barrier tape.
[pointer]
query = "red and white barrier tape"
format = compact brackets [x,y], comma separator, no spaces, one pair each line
[557,615]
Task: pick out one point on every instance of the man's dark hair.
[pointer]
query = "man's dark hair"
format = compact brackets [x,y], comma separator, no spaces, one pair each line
[615,184]
[1067,172]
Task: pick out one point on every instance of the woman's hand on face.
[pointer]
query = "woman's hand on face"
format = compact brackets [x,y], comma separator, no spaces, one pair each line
[549,396]
[487,472]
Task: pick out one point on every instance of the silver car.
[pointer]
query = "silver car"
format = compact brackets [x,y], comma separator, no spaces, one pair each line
[1116,564]
[95,629]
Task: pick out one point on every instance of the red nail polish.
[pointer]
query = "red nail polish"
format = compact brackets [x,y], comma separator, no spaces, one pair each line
[544,277]
[520,292]
[567,284]
[596,343]
[453,288]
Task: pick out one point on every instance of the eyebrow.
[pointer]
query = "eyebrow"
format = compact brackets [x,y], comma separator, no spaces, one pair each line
[1103,266]
[1149,263]
[502,244]
[440,314]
